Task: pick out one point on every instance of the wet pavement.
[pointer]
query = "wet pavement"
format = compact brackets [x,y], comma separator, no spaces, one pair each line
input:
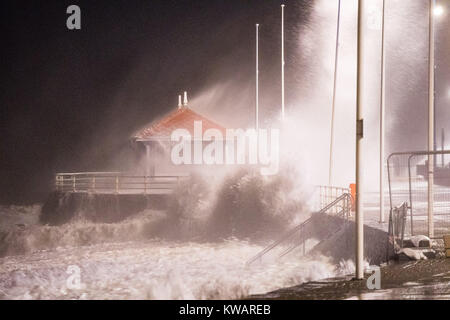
[407,280]
[424,279]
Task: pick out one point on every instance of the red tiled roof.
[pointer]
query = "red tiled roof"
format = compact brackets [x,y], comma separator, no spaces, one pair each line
[182,118]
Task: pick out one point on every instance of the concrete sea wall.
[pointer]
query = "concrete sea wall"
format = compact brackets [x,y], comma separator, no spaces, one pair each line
[63,207]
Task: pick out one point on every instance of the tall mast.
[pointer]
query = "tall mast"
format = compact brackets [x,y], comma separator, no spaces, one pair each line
[382,112]
[333,103]
[359,206]
[282,62]
[431,118]
[257,79]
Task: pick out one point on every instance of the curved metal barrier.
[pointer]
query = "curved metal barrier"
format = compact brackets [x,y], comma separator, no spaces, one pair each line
[397,222]
[409,174]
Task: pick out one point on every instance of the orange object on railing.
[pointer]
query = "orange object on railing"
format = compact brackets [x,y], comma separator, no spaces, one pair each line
[353,193]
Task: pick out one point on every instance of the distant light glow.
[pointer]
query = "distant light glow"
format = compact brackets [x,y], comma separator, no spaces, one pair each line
[438,11]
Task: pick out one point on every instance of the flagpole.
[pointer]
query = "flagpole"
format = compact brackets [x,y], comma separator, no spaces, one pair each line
[333,104]
[282,62]
[257,79]
[382,113]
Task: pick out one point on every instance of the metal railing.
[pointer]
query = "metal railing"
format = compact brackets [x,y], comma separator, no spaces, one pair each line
[324,195]
[397,223]
[408,182]
[297,237]
[115,182]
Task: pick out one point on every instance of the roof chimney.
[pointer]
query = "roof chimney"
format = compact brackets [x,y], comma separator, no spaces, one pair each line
[179,102]
[185,101]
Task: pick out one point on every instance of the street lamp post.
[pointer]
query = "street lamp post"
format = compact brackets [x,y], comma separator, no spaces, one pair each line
[282,62]
[359,208]
[382,113]
[257,81]
[431,119]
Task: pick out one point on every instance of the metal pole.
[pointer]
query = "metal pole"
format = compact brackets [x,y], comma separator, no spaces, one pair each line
[257,78]
[431,119]
[148,164]
[389,181]
[442,146]
[410,194]
[333,104]
[282,62]
[359,214]
[382,114]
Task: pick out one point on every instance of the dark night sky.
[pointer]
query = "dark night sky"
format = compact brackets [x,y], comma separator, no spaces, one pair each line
[71,99]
